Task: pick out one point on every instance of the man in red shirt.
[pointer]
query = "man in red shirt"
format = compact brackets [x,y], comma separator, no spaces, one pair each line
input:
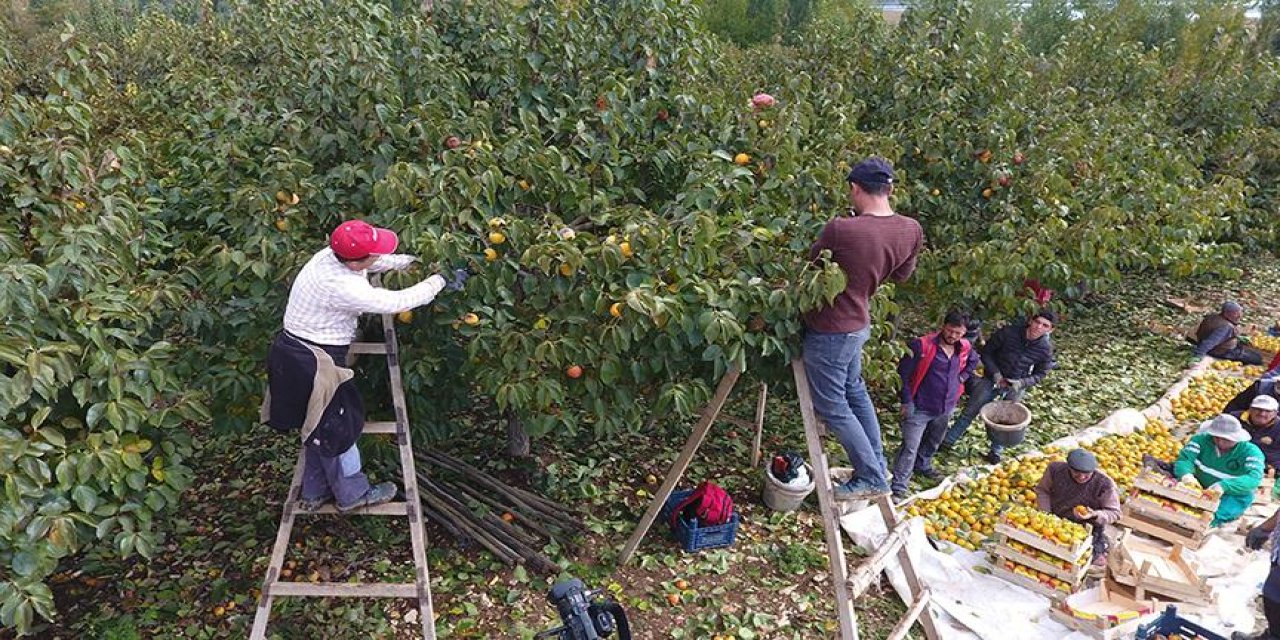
[871,246]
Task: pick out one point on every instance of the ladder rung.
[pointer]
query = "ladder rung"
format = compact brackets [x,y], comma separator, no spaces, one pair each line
[868,573]
[384,509]
[379,427]
[913,614]
[367,347]
[345,589]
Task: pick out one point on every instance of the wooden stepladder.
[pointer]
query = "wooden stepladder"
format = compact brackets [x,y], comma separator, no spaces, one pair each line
[851,584]
[420,588]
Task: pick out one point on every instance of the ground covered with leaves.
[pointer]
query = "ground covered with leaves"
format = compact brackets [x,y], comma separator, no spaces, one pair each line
[1115,350]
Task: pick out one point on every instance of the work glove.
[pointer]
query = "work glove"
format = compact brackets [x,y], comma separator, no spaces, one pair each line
[1255,538]
[1189,479]
[458,281]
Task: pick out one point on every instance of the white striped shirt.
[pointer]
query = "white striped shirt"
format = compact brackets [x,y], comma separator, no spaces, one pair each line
[327,297]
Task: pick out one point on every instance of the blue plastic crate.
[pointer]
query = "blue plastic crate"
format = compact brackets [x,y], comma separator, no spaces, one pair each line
[1169,622]
[693,537]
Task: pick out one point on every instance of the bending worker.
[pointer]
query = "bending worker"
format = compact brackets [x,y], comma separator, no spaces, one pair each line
[1220,458]
[1077,491]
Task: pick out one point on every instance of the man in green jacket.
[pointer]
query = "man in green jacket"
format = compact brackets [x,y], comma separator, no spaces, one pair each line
[1220,458]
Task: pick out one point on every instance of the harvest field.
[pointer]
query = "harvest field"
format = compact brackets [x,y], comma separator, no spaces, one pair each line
[636,220]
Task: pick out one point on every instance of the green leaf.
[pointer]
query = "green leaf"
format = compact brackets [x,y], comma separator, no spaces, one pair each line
[86,498]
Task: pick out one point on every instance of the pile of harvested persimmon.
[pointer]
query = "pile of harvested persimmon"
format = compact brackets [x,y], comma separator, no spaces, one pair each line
[966,514]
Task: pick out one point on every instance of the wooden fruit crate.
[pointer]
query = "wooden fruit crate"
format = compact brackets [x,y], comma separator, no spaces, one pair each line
[1153,569]
[1073,574]
[1162,529]
[1161,513]
[1108,614]
[1051,547]
[1164,486]
[1027,583]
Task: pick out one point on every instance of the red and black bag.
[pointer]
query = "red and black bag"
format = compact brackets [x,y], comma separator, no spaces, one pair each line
[709,503]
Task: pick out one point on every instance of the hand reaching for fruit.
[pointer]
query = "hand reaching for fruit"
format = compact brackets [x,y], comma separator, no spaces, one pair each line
[1084,513]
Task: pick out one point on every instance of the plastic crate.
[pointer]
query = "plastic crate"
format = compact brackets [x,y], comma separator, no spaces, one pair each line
[693,537]
[1169,622]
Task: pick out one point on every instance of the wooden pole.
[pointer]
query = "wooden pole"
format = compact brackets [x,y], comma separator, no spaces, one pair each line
[696,437]
[755,444]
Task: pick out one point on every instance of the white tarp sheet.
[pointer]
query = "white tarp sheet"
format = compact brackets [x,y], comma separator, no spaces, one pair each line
[978,605]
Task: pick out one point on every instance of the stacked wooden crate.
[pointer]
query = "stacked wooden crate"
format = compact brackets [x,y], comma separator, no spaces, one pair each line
[1164,508]
[1042,564]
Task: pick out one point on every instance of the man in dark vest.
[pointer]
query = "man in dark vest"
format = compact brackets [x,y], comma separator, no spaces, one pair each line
[933,378]
[1263,425]
[1219,336]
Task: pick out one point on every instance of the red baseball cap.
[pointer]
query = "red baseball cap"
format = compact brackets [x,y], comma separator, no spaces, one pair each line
[356,239]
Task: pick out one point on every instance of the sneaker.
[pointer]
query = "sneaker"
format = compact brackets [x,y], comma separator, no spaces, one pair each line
[931,475]
[376,495]
[992,457]
[310,505]
[858,490]
[901,496]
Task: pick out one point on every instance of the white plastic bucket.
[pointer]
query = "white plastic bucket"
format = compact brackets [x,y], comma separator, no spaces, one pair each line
[780,497]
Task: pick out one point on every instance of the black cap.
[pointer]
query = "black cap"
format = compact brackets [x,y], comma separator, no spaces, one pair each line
[1082,461]
[873,170]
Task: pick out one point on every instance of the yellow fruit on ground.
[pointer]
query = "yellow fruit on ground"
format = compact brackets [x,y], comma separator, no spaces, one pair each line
[625,248]
[615,309]
[495,223]
[742,159]
[490,255]
[471,319]
[405,317]
[282,224]
[497,237]
[566,269]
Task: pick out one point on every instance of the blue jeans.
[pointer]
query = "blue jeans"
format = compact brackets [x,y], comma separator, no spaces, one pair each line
[981,391]
[921,434]
[833,363]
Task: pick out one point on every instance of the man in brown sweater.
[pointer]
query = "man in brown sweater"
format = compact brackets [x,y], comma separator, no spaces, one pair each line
[1078,483]
[871,246]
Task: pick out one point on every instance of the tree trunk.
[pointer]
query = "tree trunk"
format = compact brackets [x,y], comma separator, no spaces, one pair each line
[517,439]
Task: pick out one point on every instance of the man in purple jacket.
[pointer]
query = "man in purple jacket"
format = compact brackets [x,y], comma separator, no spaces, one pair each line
[871,246]
[933,378]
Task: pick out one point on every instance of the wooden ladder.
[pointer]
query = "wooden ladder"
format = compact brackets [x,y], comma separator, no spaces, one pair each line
[851,584]
[420,588]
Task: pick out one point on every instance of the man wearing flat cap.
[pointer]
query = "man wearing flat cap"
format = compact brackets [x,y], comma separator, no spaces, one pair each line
[1219,336]
[871,246]
[1077,491]
[1220,458]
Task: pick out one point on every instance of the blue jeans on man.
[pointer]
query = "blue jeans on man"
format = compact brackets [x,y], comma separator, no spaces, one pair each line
[981,391]
[922,433]
[833,363]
